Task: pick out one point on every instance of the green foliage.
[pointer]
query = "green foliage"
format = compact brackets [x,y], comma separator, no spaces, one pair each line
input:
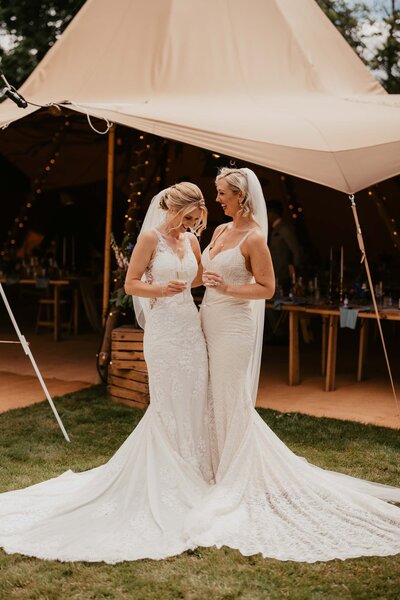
[122,256]
[386,58]
[121,300]
[32,449]
[346,19]
[31,27]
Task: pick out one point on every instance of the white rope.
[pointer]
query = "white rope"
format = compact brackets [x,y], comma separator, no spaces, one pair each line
[109,124]
[378,318]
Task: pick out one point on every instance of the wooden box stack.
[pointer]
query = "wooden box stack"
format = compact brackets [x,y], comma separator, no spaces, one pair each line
[127,373]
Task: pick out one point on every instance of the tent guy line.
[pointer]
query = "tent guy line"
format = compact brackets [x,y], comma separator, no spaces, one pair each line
[364,260]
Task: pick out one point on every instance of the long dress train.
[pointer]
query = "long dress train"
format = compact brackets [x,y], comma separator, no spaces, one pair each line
[266,499]
[133,506]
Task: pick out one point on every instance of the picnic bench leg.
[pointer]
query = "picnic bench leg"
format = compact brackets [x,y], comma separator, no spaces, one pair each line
[362,351]
[56,325]
[294,365]
[75,308]
[325,323]
[331,358]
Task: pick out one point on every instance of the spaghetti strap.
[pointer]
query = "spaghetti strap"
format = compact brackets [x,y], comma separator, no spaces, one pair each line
[212,243]
[161,243]
[244,237]
[186,239]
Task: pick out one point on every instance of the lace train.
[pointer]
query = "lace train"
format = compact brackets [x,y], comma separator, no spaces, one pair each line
[266,499]
[134,506]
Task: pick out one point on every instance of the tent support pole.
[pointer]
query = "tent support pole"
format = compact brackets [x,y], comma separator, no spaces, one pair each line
[364,260]
[27,350]
[109,207]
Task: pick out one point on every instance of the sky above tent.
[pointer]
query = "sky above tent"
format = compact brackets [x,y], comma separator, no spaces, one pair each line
[377,6]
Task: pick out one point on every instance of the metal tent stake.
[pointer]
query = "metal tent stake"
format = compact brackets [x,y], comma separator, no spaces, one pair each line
[28,352]
[371,287]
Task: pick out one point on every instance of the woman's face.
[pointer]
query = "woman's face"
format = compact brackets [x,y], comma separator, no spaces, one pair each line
[188,221]
[227,198]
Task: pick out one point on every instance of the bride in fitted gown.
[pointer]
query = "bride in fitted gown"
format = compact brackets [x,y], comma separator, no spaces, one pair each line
[134,506]
[266,499]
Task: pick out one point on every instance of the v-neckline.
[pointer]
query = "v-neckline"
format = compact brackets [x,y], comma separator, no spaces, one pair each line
[180,258]
[228,249]
[221,252]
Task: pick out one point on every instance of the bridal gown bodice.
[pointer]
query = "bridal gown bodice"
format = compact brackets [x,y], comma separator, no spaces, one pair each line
[229,353]
[175,354]
[231,264]
[266,499]
[134,506]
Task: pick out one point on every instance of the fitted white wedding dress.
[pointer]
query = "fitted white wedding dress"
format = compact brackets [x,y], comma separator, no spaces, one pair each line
[134,506]
[266,499]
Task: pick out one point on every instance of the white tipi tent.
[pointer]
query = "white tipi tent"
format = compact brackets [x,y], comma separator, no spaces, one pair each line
[268,81]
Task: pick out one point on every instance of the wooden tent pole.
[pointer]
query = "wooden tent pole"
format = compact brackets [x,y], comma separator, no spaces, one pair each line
[109,207]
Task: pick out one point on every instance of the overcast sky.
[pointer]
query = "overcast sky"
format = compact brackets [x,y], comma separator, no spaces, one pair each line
[378,6]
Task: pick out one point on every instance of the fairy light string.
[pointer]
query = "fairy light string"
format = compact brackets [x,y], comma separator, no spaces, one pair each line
[293,205]
[21,221]
[379,199]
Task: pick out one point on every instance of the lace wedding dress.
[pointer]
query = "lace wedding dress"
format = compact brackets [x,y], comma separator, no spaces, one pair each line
[133,506]
[266,499]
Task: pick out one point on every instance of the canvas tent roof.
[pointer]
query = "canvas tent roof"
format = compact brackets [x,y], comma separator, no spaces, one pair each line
[269,81]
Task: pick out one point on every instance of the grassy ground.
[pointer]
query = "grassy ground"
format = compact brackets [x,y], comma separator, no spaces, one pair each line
[32,449]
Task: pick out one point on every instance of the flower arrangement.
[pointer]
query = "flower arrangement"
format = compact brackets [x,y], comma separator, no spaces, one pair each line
[122,255]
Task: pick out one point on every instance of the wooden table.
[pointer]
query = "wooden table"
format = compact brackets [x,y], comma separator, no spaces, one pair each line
[330,324]
[56,284]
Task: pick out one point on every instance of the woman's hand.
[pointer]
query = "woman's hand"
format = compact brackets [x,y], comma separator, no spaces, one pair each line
[172,288]
[214,280]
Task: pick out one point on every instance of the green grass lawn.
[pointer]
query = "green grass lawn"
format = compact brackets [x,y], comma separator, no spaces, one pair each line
[33,449]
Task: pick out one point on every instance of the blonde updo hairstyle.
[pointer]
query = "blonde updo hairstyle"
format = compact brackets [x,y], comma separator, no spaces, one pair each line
[183,198]
[237,181]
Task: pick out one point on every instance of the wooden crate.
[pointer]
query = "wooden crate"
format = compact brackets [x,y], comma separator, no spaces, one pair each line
[127,373]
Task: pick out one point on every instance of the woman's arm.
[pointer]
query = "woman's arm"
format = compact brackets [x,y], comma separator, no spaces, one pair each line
[140,260]
[198,280]
[256,252]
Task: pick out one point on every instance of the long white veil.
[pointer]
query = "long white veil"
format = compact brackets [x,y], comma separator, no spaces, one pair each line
[384,492]
[154,216]
[260,215]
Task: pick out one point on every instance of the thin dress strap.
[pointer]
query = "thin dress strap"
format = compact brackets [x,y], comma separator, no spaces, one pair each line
[212,243]
[244,237]
[161,240]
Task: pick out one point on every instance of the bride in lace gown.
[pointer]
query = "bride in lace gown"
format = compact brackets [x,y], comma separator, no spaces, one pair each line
[266,499]
[134,506]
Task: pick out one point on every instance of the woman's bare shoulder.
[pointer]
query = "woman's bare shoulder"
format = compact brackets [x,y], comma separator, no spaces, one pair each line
[219,229]
[256,234]
[255,239]
[148,238]
[193,239]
